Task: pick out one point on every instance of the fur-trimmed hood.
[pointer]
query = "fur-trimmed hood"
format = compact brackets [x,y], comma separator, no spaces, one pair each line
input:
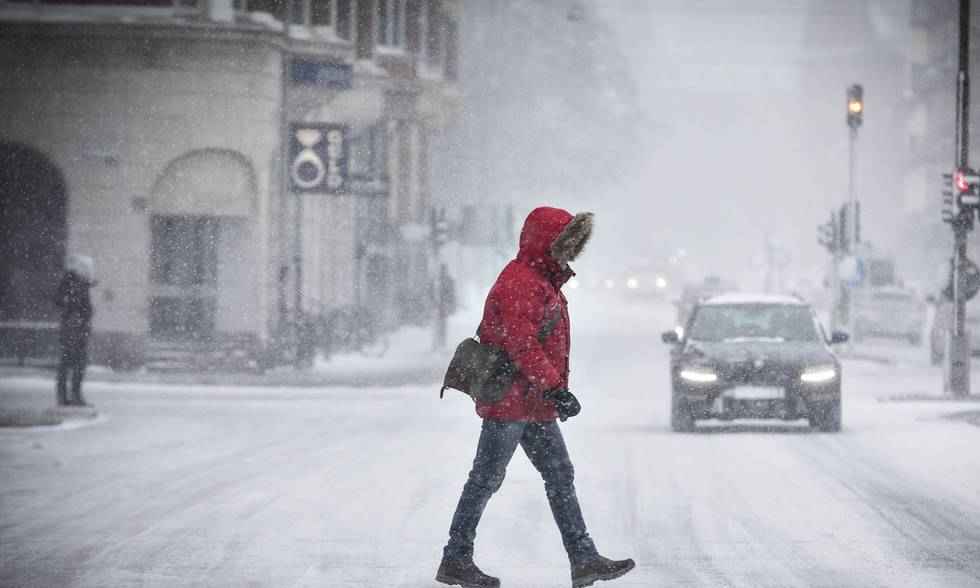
[571,241]
[552,237]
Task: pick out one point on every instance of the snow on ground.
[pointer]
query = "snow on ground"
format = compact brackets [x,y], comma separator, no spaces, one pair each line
[344,487]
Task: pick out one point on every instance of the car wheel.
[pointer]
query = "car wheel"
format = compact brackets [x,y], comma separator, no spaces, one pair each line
[827,417]
[681,419]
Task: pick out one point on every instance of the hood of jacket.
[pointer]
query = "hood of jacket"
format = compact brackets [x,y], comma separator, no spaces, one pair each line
[82,266]
[551,238]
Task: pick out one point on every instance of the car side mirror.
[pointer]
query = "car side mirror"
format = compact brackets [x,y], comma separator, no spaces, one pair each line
[838,337]
[670,337]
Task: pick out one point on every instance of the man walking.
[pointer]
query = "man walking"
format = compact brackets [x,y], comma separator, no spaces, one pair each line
[76,323]
[526,315]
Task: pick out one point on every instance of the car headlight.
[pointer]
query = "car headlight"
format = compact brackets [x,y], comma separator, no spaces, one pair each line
[819,375]
[699,376]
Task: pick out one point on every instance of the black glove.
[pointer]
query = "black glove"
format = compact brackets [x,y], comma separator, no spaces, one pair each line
[565,403]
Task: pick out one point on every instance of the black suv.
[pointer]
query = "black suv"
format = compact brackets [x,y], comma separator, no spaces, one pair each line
[755,357]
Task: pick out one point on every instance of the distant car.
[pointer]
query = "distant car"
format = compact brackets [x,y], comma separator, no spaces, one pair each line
[754,356]
[942,318]
[694,293]
[889,311]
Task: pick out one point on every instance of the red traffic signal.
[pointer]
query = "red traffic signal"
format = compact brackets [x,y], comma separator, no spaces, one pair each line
[966,183]
[965,179]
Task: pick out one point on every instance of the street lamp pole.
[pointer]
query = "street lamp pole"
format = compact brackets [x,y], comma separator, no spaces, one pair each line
[855,116]
[956,380]
[852,208]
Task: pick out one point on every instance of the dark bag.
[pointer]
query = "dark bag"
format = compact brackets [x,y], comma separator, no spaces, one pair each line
[482,371]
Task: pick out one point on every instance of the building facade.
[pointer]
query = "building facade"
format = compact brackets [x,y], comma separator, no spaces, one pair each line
[155,136]
[930,119]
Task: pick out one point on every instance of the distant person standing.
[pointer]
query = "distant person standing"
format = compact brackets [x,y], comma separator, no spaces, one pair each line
[75,302]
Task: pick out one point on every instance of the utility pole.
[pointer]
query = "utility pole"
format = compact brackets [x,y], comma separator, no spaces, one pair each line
[855,116]
[830,237]
[440,236]
[956,375]
[298,333]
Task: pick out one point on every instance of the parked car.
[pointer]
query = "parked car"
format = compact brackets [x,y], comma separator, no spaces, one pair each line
[758,356]
[889,311]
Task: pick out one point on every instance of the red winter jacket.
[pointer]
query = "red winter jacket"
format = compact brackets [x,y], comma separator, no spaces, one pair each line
[526,294]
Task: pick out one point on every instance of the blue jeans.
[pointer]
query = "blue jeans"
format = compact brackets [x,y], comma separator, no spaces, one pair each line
[545,447]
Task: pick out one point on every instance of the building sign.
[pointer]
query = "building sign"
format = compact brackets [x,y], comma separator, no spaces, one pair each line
[335,76]
[318,156]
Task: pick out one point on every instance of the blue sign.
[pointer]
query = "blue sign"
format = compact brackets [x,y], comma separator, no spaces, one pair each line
[324,74]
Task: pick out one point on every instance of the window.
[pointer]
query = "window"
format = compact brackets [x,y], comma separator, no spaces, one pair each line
[121,3]
[452,50]
[368,153]
[277,8]
[184,250]
[391,23]
[365,29]
[433,33]
[413,26]
[321,13]
[297,12]
[343,12]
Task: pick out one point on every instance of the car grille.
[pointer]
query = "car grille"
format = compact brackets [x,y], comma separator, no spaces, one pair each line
[770,374]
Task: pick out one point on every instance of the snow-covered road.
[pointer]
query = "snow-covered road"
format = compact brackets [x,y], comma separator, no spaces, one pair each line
[355,487]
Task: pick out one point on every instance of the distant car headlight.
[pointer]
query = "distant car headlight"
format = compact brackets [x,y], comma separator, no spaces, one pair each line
[819,375]
[632,283]
[699,376]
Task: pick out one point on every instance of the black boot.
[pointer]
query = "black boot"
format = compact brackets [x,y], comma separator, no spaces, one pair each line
[599,568]
[463,572]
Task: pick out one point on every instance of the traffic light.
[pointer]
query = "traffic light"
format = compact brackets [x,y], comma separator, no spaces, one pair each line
[855,105]
[961,197]
[950,209]
[828,234]
[967,185]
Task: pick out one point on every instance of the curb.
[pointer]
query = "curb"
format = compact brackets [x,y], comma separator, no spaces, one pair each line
[928,398]
[48,419]
[970,417]
[427,374]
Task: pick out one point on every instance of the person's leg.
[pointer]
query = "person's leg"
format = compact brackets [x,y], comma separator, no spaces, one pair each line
[78,372]
[61,386]
[498,441]
[545,447]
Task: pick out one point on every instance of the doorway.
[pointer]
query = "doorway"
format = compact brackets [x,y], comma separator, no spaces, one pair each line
[34,228]
[184,277]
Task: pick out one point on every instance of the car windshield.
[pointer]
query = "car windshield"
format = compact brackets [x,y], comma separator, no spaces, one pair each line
[731,323]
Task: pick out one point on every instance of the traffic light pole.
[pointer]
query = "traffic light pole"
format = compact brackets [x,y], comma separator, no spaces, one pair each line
[957,369]
[851,228]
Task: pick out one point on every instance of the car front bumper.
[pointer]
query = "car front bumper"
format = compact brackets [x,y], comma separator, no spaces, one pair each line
[719,401]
